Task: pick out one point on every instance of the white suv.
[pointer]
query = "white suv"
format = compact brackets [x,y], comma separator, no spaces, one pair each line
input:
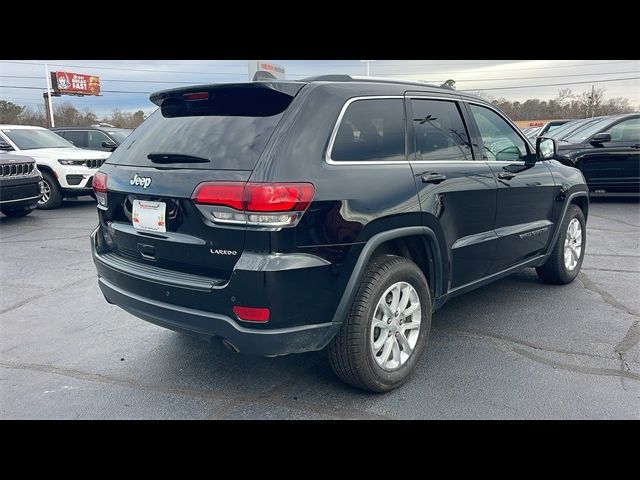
[67,171]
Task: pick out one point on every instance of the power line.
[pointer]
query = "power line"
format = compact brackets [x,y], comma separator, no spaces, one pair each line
[547,76]
[517,69]
[434,81]
[551,84]
[291,73]
[127,69]
[109,80]
[465,90]
[43,88]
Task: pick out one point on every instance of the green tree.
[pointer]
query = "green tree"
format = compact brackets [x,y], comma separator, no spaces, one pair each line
[137,118]
[10,112]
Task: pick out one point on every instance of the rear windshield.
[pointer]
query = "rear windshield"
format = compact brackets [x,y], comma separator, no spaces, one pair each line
[228,142]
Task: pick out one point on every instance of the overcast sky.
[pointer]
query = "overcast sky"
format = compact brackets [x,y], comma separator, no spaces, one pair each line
[492,76]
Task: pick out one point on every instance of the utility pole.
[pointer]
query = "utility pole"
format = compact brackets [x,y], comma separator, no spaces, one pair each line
[368,62]
[593,97]
[48,106]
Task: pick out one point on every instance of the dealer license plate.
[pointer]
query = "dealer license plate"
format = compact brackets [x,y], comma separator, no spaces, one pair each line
[149,216]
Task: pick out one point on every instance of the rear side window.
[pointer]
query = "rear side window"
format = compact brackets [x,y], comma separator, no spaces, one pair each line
[440,134]
[77,137]
[371,130]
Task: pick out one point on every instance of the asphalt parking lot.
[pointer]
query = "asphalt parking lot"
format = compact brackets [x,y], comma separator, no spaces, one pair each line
[514,349]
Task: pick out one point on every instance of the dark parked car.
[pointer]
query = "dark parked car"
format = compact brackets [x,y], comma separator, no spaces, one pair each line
[570,127]
[20,187]
[548,127]
[608,154]
[286,217]
[94,138]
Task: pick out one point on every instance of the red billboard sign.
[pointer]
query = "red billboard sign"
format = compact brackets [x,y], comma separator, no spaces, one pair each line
[68,83]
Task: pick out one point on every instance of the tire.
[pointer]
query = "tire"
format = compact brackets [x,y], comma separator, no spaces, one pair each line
[18,212]
[54,199]
[556,270]
[351,353]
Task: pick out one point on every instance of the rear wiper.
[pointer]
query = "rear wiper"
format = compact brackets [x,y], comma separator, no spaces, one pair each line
[175,158]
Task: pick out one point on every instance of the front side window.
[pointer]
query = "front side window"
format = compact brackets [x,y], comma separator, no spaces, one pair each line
[96,139]
[371,130]
[439,132]
[626,131]
[501,142]
[120,135]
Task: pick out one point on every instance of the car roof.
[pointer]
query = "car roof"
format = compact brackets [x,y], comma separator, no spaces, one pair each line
[105,129]
[21,127]
[364,86]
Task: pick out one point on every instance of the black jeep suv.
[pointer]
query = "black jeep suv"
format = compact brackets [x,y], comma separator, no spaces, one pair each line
[335,212]
[20,185]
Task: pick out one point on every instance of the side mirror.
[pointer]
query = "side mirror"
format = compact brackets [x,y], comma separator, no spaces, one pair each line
[601,138]
[5,146]
[110,145]
[546,148]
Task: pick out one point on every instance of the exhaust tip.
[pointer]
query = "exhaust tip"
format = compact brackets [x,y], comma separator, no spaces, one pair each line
[230,346]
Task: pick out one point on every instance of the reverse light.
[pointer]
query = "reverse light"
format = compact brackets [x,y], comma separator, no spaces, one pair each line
[100,189]
[265,205]
[252,314]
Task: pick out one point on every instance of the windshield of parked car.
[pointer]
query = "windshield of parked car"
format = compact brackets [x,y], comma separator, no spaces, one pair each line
[565,128]
[587,131]
[531,134]
[120,135]
[554,127]
[33,138]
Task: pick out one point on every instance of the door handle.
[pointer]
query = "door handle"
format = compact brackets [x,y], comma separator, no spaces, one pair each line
[506,175]
[433,178]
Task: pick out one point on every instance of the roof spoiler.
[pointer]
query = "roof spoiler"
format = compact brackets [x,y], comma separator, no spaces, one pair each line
[287,88]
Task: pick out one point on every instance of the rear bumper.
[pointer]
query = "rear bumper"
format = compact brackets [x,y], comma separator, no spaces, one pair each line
[206,310]
[280,341]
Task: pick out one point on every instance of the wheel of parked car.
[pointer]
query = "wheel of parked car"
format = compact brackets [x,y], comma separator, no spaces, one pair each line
[51,195]
[23,212]
[565,261]
[386,331]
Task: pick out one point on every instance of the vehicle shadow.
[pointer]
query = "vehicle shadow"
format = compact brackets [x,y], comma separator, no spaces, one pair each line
[68,205]
[308,377]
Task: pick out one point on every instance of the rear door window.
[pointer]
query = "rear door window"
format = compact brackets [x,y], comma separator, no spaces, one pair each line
[371,130]
[440,134]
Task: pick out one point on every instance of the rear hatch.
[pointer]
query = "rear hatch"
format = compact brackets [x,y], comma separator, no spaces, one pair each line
[200,134]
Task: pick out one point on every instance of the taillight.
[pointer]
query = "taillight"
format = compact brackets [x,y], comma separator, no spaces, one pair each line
[268,205]
[100,182]
[277,197]
[228,194]
[100,188]
[252,314]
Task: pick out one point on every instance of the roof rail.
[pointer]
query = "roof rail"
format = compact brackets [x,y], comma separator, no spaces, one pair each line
[354,78]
